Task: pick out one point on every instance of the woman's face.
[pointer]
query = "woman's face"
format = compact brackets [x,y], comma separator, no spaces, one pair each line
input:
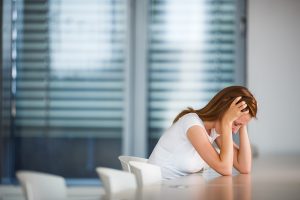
[238,123]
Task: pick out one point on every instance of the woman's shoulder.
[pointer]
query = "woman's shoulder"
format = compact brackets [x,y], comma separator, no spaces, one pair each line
[191,118]
[190,115]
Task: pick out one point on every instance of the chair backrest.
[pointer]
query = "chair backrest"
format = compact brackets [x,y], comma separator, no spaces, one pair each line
[42,186]
[145,173]
[126,159]
[116,181]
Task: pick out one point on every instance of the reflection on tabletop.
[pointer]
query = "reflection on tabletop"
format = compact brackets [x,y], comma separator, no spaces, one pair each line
[272,177]
[206,185]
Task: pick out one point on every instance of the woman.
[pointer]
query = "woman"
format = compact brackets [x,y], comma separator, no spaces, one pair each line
[186,147]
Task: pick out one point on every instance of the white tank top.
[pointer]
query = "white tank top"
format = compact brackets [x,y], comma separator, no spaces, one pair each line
[174,153]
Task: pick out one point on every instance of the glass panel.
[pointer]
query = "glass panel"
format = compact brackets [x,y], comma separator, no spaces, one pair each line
[191,53]
[68,85]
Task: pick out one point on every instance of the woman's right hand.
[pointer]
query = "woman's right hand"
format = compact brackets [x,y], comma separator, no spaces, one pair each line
[235,111]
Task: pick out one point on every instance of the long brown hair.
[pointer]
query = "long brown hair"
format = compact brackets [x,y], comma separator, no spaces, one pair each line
[218,105]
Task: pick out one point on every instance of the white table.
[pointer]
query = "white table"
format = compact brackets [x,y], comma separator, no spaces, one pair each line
[272,177]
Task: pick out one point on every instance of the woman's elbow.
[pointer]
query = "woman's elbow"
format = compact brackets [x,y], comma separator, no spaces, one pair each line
[245,171]
[226,171]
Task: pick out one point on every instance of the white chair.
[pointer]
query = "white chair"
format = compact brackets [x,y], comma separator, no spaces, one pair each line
[145,173]
[126,159]
[117,182]
[42,186]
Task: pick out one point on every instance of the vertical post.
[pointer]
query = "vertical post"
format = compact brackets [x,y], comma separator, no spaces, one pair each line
[127,136]
[6,142]
[141,78]
[240,42]
[1,96]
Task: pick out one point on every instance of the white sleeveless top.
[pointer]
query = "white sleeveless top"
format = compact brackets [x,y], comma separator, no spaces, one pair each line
[174,153]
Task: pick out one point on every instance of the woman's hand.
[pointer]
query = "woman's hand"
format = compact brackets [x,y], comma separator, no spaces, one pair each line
[235,111]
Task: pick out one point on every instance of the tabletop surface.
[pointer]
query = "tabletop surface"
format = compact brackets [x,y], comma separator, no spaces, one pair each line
[272,177]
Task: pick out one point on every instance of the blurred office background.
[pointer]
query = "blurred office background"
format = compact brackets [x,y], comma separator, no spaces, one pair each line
[84,81]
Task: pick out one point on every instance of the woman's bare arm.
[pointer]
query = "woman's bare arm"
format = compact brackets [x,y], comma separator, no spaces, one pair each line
[197,135]
[242,156]
[243,160]
[222,162]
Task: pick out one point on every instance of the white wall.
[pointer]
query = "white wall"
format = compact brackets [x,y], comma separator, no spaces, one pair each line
[274,74]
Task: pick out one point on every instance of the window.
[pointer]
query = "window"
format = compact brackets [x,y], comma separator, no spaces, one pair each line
[194,51]
[86,81]
[68,77]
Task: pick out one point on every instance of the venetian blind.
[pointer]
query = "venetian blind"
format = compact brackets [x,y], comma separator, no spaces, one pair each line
[192,55]
[68,67]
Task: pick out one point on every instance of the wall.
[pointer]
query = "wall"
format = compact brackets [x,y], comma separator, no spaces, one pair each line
[273,71]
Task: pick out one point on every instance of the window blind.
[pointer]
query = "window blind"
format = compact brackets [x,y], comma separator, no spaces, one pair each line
[68,66]
[191,56]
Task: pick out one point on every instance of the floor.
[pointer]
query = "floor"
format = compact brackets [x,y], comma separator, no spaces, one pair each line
[273,177]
